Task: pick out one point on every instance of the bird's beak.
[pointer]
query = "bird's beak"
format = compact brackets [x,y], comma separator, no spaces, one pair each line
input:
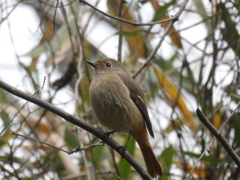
[91,63]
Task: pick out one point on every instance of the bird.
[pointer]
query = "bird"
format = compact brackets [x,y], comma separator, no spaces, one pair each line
[118,103]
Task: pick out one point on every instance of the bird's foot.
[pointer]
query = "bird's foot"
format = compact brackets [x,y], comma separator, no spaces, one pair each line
[106,136]
[123,150]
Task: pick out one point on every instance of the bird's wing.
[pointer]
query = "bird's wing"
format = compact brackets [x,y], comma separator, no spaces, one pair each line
[137,97]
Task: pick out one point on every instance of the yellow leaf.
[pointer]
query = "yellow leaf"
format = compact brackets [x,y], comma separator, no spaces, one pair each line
[176,39]
[217,117]
[199,171]
[134,40]
[8,136]
[173,96]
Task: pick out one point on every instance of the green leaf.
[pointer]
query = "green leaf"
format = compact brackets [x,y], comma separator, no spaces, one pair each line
[4,116]
[2,142]
[162,10]
[3,96]
[99,154]
[165,177]
[229,32]
[33,79]
[71,139]
[167,156]
[235,119]
[152,81]
[204,158]
[124,166]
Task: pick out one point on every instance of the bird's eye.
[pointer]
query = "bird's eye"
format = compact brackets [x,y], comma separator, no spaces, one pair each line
[108,64]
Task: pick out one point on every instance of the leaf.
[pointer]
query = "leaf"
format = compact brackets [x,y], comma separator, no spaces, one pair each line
[3,96]
[198,171]
[173,96]
[204,158]
[71,138]
[175,37]
[235,119]
[56,42]
[129,34]
[31,76]
[5,137]
[4,116]
[171,128]
[162,10]
[99,155]
[167,156]
[229,32]
[165,177]
[201,8]
[124,166]
[135,43]
[217,119]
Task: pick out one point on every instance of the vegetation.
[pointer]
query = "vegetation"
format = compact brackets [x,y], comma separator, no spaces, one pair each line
[184,54]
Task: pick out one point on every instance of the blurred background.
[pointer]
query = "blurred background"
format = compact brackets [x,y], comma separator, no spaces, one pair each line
[43,48]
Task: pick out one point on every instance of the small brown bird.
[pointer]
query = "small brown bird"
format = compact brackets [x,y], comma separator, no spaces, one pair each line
[118,104]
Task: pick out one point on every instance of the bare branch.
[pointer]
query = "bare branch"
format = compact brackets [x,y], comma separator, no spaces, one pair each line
[150,57]
[219,136]
[126,21]
[120,38]
[41,142]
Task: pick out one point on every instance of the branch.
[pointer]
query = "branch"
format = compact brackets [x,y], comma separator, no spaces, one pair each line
[219,136]
[41,142]
[126,21]
[80,123]
[150,57]
[120,37]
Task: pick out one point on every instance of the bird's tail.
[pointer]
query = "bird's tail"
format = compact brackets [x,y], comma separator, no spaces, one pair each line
[154,168]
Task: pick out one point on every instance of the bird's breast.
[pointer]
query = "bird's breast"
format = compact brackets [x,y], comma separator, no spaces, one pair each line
[112,105]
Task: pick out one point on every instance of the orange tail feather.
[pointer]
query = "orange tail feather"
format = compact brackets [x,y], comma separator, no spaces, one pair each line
[154,168]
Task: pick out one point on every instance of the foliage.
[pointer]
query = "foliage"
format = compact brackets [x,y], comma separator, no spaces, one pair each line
[197,66]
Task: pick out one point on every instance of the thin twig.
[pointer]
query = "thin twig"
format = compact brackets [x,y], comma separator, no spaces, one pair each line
[115,163]
[11,120]
[211,141]
[75,54]
[100,143]
[69,30]
[41,142]
[219,136]
[150,57]
[55,13]
[120,37]
[126,21]
[80,123]
[8,14]
[41,89]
